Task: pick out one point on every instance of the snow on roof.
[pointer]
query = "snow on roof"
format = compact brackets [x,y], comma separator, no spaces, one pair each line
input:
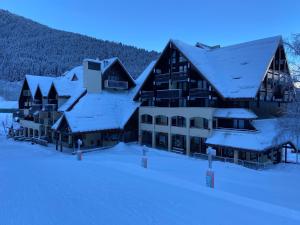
[77,93]
[104,110]
[64,84]
[101,111]
[106,63]
[44,82]
[263,139]
[143,76]
[235,71]
[237,113]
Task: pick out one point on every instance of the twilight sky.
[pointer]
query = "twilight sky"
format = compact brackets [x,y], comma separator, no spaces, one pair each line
[151,23]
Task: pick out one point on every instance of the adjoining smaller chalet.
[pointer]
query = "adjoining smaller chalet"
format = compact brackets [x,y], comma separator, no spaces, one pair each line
[107,113]
[93,102]
[224,97]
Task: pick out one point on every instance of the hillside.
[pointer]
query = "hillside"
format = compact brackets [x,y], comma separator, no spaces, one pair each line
[30,47]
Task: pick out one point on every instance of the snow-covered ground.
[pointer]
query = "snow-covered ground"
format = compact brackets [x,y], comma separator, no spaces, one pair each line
[41,186]
[4,104]
[6,119]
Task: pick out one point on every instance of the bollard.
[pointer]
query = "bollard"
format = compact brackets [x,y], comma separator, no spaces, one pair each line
[210,178]
[145,162]
[210,175]
[79,152]
[144,157]
[79,155]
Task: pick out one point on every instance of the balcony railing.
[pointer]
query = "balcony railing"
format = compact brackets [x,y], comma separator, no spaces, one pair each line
[162,78]
[34,108]
[50,107]
[116,84]
[169,94]
[26,93]
[199,93]
[52,101]
[147,95]
[179,76]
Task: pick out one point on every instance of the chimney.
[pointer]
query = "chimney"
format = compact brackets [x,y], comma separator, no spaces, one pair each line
[92,77]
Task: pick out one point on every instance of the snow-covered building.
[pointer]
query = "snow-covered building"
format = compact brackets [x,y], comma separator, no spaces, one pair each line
[199,96]
[93,102]
[190,98]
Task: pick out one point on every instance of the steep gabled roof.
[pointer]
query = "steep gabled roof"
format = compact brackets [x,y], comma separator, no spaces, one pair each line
[64,84]
[235,71]
[100,111]
[43,81]
[143,77]
[107,63]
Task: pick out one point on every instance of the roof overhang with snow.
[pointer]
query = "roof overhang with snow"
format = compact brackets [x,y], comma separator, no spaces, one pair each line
[234,113]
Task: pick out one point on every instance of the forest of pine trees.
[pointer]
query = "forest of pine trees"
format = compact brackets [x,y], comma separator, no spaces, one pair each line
[27,47]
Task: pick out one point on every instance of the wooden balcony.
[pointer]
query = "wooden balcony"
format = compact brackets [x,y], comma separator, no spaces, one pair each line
[179,76]
[50,107]
[34,108]
[199,93]
[26,93]
[147,95]
[114,84]
[52,101]
[169,94]
[162,78]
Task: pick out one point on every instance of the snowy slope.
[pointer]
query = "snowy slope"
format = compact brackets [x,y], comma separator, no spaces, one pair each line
[41,186]
[8,104]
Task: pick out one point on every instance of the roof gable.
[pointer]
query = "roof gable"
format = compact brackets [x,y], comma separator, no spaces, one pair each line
[235,71]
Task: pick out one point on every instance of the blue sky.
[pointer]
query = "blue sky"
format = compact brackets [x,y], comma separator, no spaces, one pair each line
[150,24]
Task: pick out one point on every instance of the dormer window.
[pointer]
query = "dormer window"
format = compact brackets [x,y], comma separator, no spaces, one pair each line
[113,77]
[74,78]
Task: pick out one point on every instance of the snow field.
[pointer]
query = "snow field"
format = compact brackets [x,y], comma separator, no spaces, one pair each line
[42,186]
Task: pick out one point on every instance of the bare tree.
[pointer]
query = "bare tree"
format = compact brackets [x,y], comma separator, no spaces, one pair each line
[289,123]
[293,47]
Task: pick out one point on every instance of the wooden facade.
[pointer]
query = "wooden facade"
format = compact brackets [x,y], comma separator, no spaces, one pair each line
[175,82]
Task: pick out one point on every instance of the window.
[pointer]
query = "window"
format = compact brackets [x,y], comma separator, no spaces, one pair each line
[74,78]
[178,121]
[113,77]
[199,122]
[161,140]
[182,58]
[178,141]
[161,120]
[198,145]
[239,124]
[146,119]
[93,66]
[202,84]
[147,138]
